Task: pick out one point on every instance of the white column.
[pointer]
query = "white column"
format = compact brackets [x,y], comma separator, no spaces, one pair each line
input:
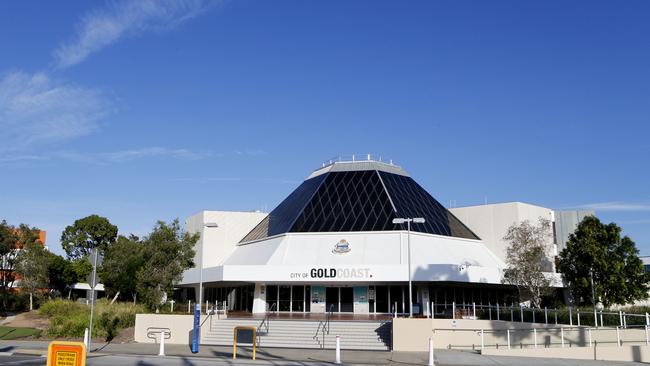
[259,298]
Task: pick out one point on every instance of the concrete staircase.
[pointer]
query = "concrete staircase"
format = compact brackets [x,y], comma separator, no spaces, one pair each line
[359,335]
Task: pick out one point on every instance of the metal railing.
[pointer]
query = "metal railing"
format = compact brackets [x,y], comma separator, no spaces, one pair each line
[514,313]
[355,158]
[265,322]
[544,337]
[324,326]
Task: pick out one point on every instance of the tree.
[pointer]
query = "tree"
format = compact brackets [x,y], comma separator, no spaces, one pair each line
[32,266]
[617,269]
[122,261]
[61,273]
[8,243]
[168,251]
[79,239]
[528,261]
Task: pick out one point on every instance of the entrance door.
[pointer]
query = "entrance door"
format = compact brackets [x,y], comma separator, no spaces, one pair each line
[332,299]
[381,299]
[347,300]
[285,298]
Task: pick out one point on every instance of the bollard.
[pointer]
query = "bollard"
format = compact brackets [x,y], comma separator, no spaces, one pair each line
[647,340]
[578,315]
[431,362]
[590,345]
[647,319]
[521,313]
[620,317]
[86,337]
[395,309]
[453,310]
[189,306]
[474,310]
[562,335]
[618,337]
[570,317]
[535,336]
[508,331]
[624,321]
[206,306]
[433,310]
[338,350]
[161,352]
[595,318]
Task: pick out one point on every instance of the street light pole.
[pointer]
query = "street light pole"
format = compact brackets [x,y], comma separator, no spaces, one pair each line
[408,220]
[93,284]
[205,225]
[593,295]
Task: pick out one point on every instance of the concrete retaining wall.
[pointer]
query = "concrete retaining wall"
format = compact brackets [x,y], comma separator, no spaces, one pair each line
[179,325]
[413,334]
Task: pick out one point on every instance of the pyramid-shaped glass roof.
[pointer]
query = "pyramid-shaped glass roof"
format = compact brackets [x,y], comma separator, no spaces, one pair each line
[358,196]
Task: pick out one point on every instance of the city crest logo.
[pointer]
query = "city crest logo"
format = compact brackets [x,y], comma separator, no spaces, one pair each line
[341,247]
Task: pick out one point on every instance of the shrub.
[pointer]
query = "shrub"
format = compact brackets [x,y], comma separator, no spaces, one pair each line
[69,319]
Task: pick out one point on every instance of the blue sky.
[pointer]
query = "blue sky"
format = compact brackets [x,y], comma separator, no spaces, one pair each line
[141,111]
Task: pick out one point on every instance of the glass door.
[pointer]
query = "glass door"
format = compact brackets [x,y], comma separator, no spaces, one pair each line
[347,300]
[297,299]
[332,299]
[284,298]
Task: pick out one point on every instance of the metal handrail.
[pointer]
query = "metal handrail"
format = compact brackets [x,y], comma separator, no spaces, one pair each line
[324,326]
[267,317]
[328,316]
[209,315]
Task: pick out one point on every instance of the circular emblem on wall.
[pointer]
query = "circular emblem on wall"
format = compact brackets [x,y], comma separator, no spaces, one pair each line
[341,247]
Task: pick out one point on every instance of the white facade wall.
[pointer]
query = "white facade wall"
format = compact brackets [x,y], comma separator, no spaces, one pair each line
[216,243]
[491,223]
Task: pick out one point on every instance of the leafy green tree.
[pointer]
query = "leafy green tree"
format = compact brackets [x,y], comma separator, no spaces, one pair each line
[122,261]
[61,273]
[168,251]
[32,263]
[8,243]
[82,268]
[527,259]
[617,269]
[79,239]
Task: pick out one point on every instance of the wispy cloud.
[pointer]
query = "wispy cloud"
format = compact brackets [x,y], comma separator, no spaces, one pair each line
[615,206]
[110,157]
[106,26]
[34,108]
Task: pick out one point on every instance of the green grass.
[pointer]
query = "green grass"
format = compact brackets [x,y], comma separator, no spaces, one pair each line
[7,333]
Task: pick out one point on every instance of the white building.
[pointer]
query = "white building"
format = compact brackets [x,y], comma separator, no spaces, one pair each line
[331,245]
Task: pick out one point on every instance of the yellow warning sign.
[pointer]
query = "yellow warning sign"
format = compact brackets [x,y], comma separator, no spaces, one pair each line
[66,354]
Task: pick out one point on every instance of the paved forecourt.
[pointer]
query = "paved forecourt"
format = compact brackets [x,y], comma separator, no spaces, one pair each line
[145,354]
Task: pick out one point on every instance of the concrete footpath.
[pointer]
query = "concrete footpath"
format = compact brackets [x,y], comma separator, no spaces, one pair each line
[102,353]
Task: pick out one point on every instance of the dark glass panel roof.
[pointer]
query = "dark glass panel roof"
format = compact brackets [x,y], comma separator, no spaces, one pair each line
[347,201]
[358,200]
[280,220]
[411,200]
